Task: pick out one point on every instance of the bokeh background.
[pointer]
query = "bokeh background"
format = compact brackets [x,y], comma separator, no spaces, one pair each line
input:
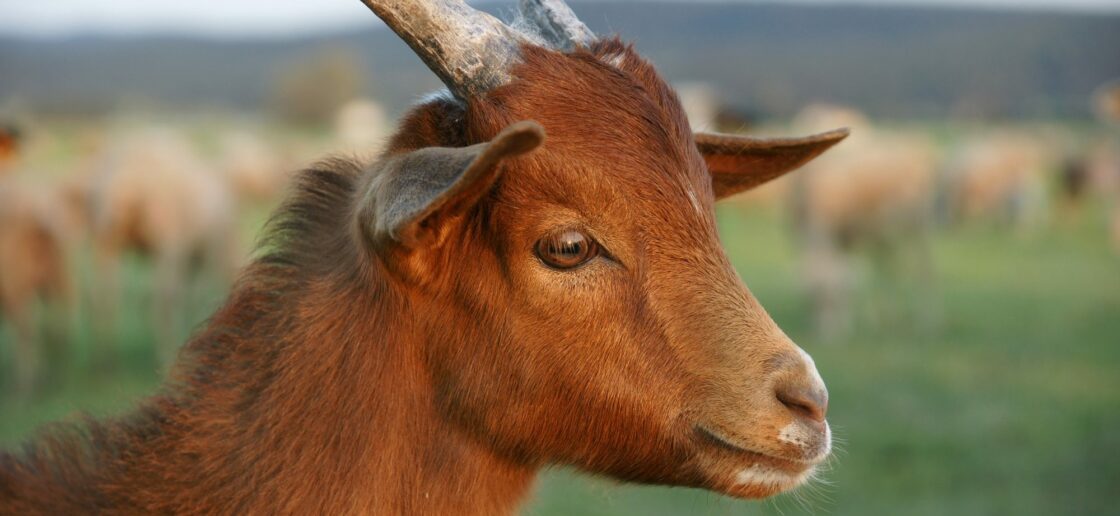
[954,267]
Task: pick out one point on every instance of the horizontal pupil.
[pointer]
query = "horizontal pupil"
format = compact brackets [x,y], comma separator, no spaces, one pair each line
[569,247]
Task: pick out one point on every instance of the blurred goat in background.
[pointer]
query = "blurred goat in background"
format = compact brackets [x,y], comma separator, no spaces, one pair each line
[32,261]
[871,197]
[152,194]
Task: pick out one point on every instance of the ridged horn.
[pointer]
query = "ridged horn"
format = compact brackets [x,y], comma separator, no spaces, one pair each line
[557,23]
[469,50]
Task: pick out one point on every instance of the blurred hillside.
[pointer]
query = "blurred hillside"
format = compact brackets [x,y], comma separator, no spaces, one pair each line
[767,59]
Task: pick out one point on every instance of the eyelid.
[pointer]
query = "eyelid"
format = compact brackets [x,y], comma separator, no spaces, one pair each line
[606,254]
[604,251]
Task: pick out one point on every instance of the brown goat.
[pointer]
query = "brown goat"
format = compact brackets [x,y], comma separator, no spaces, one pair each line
[424,333]
[32,267]
[361,128]
[10,136]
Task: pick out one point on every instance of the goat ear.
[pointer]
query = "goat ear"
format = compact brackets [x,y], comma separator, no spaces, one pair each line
[413,192]
[739,163]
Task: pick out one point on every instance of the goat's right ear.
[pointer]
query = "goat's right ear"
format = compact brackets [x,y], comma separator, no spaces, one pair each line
[414,192]
[739,163]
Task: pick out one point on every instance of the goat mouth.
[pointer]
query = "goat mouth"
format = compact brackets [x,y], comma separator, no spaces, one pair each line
[765,475]
[716,440]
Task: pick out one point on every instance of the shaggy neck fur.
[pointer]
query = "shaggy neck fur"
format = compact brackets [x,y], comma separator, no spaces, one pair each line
[283,404]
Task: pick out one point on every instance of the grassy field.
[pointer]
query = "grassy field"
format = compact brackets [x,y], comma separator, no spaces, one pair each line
[1008,404]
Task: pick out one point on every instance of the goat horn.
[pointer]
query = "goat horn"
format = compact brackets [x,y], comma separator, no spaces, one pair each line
[469,50]
[557,23]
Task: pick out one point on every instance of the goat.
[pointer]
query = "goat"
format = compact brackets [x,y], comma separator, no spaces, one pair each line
[1000,176]
[32,267]
[10,136]
[1106,102]
[150,193]
[872,197]
[32,258]
[422,334]
[360,127]
[1103,171]
[254,169]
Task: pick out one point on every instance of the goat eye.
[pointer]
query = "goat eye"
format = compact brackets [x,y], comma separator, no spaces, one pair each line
[567,249]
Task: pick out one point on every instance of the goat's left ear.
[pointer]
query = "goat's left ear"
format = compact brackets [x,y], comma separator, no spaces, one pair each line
[416,192]
[739,163]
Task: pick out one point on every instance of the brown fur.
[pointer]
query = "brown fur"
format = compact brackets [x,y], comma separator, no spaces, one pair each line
[342,377]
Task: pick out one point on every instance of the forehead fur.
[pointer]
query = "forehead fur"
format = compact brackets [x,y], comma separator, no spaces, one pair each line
[618,152]
[587,97]
[601,104]
[610,120]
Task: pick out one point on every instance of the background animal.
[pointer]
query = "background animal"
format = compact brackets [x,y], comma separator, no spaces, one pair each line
[869,200]
[257,171]
[1102,175]
[361,128]
[151,194]
[1106,101]
[1104,161]
[9,147]
[33,270]
[1001,177]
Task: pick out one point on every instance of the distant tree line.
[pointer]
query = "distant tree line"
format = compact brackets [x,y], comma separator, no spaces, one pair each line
[763,58]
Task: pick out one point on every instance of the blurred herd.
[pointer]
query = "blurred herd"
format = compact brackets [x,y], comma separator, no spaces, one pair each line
[875,199]
[81,200]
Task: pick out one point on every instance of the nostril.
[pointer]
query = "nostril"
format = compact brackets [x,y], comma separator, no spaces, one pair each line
[808,403]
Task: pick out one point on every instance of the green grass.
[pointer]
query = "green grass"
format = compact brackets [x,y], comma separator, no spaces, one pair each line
[1008,405]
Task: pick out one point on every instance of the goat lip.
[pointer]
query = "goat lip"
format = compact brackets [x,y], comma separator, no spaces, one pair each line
[719,441]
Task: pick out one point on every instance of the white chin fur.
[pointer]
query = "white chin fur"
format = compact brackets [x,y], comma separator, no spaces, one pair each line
[765,476]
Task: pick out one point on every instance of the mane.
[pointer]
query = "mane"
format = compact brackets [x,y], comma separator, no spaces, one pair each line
[310,223]
[305,239]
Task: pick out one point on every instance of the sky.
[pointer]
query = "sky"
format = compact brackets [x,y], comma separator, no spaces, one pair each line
[229,18]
